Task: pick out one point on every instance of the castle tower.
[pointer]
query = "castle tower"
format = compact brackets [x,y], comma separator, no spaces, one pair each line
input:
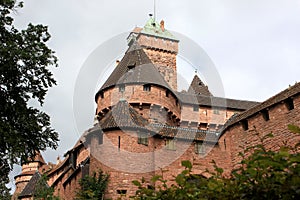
[28,170]
[160,46]
[138,81]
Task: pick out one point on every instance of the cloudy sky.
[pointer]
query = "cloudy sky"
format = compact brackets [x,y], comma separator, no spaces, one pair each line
[254,45]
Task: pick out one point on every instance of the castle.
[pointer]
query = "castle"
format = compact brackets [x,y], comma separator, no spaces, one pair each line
[145,127]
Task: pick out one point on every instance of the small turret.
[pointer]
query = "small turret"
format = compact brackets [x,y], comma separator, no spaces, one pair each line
[28,170]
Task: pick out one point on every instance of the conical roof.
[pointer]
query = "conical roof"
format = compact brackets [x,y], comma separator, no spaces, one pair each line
[135,68]
[30,188]
[123,115]
[197,87]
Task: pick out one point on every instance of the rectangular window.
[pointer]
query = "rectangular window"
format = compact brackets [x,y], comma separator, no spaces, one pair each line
[171,144]
[121,88]
[147,88]
[73,159]
[216,112]
[143,138]
[265,114]
[199,148]
[289,103]
[245,124]
[122,192]
[196,108]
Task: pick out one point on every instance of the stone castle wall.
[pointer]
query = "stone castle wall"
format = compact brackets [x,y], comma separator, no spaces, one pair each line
[236,139]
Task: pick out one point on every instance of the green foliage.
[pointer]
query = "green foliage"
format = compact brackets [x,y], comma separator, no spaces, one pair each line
[93,187]
[4,192]
[24,77]
[293,128]
[265,174]
[43,191]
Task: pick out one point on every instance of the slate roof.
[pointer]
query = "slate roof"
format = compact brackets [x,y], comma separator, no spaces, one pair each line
[134,68]
[185,133]
[197,87]
[123,115]
[212,101]
[29,189]
[280,97]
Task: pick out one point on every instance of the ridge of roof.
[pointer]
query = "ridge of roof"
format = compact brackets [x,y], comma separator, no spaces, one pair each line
[283,95]
[213,101]
[198,87]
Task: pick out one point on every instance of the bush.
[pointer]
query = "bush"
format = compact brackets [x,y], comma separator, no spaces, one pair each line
[265,174]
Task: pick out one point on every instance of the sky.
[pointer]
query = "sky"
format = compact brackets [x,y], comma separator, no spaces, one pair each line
[254,45]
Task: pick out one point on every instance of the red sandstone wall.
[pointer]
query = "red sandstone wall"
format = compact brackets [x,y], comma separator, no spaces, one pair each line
[213,117]
[236,139]
[136,95]
[159,155]
[121,179]
[158,43]
[166,65]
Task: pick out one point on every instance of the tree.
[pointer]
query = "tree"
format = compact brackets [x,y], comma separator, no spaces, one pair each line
[24,77]
[43,191]
[93,187]
[265,174]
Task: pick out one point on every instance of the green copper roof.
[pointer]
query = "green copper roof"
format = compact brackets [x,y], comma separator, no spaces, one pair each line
[153,28]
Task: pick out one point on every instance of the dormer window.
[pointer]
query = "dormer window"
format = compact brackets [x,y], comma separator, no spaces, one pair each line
[131,65]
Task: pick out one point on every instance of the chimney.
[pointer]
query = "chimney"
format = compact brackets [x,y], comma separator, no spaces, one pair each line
[58,160]
[117,62]
[162,25]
